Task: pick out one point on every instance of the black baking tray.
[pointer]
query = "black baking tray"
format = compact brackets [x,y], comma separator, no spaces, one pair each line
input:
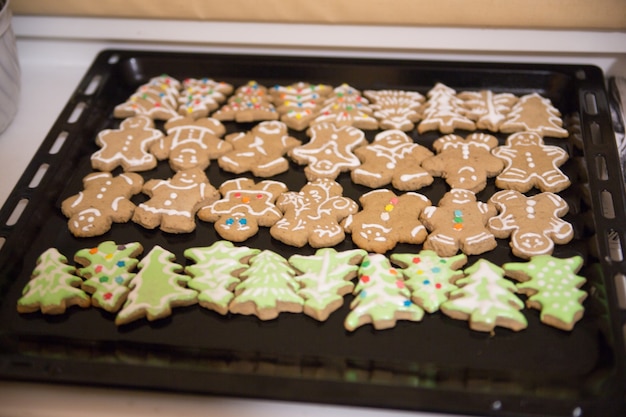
[438,364]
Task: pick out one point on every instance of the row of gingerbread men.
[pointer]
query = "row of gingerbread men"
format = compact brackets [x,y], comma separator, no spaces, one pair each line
[319,215]
[301,105]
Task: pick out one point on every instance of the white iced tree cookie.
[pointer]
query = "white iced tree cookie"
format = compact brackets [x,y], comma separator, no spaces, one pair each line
[444,111]
[534,113]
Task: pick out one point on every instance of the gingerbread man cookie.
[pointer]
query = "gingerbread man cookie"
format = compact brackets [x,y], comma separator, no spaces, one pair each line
[459,222]
[260,150]
[533,223]
[531,163]
[127,146]
[465,163]
[244,207]
[313,215]
[329,152]
[386,220]
[191,143]
[104,200]
[393,158]
[174,202]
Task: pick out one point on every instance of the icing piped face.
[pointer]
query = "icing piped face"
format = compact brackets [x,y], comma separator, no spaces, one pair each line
[87,219]
[374,232]
[459,196]
[534,242]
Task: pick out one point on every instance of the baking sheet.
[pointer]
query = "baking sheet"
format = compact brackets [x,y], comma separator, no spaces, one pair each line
[437,364]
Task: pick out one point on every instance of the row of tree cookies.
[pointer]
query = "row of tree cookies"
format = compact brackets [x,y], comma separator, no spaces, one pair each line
[301,104]
[241,280]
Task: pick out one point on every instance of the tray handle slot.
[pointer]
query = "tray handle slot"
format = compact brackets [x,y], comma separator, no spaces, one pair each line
[17,212]
[36,180]
[602,172]
[615,247]
[620,289]
[608,208]
[596,133]
[591,105]
[93,85]
[77,112]
[58,143]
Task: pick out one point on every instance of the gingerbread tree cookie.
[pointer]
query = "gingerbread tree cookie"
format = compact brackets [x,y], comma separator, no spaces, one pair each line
[174,202]
[486,108]
[105,200]
[158,287]
[553,287]
[381,296]
[459,222]
[127,146]
[325,278]
[53,287]
[107,270]
[329,152]
[299,103]
[250,103]
[396,109]
[313,214]
[533,113]
[429,276]
[191,143]
[534,223]
[215,273]
[268,288]
[531,163]
[465,163]
[244,207]
[444,111]
[347,107]
[201,96]
[386,220]
[393,158]
[156,99]
[260,151]
[486,299]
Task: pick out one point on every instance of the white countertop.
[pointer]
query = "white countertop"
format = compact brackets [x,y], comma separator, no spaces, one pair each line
[53,62]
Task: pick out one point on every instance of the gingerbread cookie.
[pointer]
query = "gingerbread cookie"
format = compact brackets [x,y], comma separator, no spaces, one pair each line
[156,99]
[105,200]
[553,287]
[531,163]
[201,96]
[127,146]
[53,287]
[215,272]
[465,163]
[250,103]
[487,108]
[386,220]
[486,299]
[313,215]
[396,109]
[347,107]
[260,150]
[244,207]
[299,103]
[533,113]
[174,202]
[534,223]
[191,143]
[329,152]
[459,222]
[268,288]
[107,270]
[157,287]
[444,111]
[393,158]
[381,296]
[429,276]
[325,278]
